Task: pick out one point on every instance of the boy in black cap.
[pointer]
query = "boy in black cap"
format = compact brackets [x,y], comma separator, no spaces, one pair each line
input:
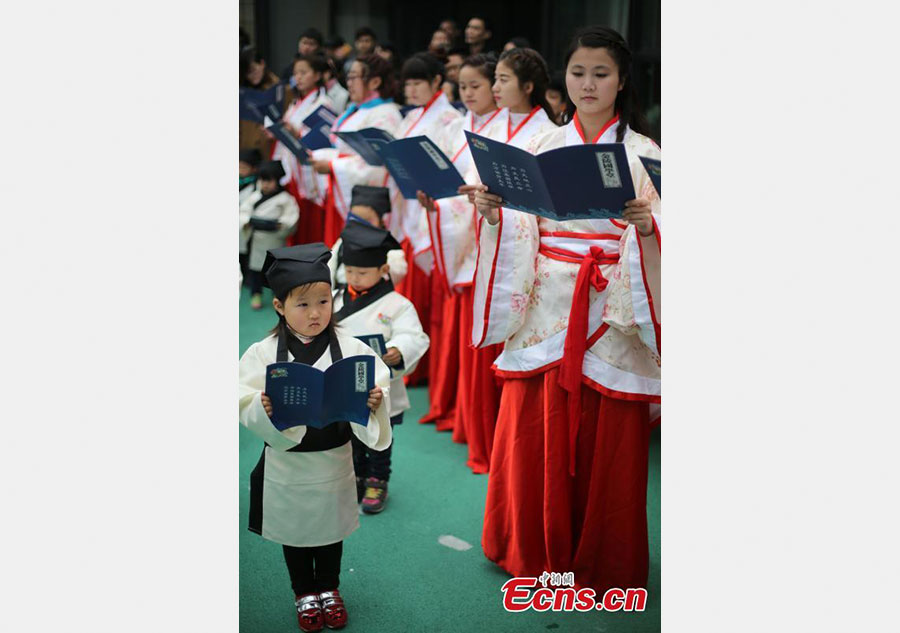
[369,206]
[267,217]
[302,492]
[367,306]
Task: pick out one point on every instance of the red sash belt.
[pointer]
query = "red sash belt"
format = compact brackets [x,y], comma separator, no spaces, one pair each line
[576,333]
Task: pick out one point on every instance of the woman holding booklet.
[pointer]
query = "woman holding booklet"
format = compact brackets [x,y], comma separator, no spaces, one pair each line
[422,76]
[576,306]
[451,222]
[309,75]
[371,85]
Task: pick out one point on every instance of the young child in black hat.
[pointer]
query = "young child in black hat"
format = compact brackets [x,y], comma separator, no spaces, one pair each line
[368,205]
[369,305]
[302,492]
[267,218]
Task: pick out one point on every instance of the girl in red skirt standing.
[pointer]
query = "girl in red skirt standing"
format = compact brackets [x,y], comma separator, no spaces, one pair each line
[576,305]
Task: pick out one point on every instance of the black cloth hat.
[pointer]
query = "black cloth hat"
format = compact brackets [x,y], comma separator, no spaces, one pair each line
[287,267]
[271,170]
[250,156]
[379,198]
[365,245]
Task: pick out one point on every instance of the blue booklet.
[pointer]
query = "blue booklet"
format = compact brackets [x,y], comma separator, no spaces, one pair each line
[302,394]
[264,224]
[569,183]
[323,115]
[319,124]
[417,163]
[404,110]
[652,166]
[366,142]
[460,107]
[376,342]
[253,105]
[290,141]
[317,138]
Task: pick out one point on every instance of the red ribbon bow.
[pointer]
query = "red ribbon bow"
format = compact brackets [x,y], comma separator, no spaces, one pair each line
[589,275]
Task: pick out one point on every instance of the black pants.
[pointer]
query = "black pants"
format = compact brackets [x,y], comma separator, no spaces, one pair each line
[256,282]
[314,569]
[244,259]
[370,463]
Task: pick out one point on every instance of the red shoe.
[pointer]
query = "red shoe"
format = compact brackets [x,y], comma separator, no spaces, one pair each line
[309,612]
[333,608]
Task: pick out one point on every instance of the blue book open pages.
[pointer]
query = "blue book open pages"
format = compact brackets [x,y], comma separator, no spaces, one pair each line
[652,166]
[417,163]
[302,394]
[569,183]
[366,142]
[376,342]
[290,141]
[253,105]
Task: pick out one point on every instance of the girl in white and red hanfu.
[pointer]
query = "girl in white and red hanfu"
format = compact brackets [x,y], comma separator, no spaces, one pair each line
[422,78]
[451,224]
[371,86]
[309,75]
[520,80]
[576,305]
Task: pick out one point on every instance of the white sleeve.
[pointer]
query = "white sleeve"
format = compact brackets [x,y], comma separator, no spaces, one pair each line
[396,259]
[252,382]
[408,337]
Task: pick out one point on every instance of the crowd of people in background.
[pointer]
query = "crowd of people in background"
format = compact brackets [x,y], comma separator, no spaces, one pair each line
[448,44]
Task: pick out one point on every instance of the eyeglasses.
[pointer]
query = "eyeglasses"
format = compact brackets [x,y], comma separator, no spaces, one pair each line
[353,76]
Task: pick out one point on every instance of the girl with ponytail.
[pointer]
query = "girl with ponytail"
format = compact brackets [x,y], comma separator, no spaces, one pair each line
[576,306]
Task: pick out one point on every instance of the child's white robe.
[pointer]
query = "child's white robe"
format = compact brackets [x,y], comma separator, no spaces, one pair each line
[394,317]
[281,207]
[308,498]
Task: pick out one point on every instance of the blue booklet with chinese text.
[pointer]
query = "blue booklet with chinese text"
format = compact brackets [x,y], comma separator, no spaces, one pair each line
[289,141]
[253,105]
[376,342]
[652,165]
[302,394]
[417,163]
[365,142]
[569,183]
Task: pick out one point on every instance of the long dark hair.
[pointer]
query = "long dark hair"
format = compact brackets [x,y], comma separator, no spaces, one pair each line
[377,66]
[627,105]
[528,65]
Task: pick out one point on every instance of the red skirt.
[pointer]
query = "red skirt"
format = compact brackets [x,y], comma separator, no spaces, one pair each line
[333,221]
[479,398]
[417,287]
[466,356]
[443,378]
[537,518]
[310,226]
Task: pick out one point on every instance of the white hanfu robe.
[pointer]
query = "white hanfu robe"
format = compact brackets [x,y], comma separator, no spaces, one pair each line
[308,498]
[514,305]
[394,317]
[395,258]
[303,175]
[347,168]
[452,224]
[408,219]
[281,207]
[338,95]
